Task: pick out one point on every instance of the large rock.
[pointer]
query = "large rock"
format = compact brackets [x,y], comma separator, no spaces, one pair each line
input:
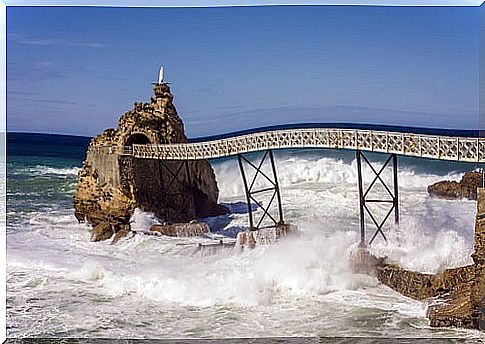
[466,188]
[111,185]
[421,286]
[461,291]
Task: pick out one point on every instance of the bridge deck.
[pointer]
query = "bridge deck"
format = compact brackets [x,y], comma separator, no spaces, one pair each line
[443,147]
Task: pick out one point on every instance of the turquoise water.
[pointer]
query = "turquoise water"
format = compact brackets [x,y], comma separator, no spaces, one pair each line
[61,284]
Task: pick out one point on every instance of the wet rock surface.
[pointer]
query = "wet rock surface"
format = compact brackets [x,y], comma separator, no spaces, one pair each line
[111,185]
[421,286]
[456,296]
[465,188]
[102,231]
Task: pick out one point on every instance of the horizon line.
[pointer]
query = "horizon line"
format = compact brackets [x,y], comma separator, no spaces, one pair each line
[237,3]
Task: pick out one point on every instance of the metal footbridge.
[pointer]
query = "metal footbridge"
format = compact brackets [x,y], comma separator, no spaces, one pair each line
[442,144]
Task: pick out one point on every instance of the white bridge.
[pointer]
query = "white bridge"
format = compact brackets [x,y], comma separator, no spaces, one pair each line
[442,147]
[442,144]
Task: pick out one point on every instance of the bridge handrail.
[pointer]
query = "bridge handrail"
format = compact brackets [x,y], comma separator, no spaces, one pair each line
[468,149]
[342,125]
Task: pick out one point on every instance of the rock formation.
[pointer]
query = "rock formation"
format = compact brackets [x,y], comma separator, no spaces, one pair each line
[112,184]
[466,188]
[461,291]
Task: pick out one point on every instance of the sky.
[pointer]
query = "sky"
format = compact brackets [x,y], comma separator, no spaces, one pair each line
[75,70]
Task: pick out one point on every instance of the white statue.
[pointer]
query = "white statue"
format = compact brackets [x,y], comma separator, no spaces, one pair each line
[160,75]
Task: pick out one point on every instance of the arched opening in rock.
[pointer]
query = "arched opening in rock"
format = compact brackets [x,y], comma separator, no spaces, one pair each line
[137,139]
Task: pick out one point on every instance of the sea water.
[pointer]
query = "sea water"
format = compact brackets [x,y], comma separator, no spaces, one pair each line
[59,284]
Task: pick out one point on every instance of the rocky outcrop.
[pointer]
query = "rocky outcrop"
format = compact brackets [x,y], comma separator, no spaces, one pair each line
[477,296]
[465,188]
[421,286]
[111,185]
[458,294]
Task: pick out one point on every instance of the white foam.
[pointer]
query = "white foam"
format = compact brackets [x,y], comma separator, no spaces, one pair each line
[431,241]
[296,268]
[299,277]
[90,271]
[41,170]
[142,221]
[301,170]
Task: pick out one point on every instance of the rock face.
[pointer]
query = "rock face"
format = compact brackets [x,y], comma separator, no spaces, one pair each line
[421,286]
[461,291]
[477,297]
[111,185]
[466,188]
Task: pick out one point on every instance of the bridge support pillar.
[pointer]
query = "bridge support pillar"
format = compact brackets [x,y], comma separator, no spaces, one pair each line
[175,186]
[364,198]
[250,189]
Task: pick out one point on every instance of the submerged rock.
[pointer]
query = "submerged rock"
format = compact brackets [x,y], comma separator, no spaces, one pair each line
[102,231]
[112,184]
[466,188]
[121,234]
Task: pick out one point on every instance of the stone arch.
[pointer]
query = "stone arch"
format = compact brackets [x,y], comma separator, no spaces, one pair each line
[137,138]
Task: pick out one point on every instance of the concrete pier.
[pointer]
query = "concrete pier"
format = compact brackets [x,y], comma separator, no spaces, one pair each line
[190,229]
[265,236]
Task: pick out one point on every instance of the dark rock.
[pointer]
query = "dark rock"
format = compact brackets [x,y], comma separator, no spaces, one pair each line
[466,188]
[460,291]
[421,286]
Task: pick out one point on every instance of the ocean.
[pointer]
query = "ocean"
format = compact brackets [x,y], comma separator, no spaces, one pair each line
[59,284]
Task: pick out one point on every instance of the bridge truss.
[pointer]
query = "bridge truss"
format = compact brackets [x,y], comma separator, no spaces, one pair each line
[249,189]
[364,194]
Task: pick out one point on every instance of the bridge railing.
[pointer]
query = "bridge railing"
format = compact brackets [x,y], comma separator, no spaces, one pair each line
[112,149]
[468,149]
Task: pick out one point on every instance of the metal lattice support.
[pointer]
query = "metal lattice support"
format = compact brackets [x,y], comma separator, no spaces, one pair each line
[364,200]
[251,192]
[178,186]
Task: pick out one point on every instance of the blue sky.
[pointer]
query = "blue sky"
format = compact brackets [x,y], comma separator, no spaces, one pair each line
[75,70]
